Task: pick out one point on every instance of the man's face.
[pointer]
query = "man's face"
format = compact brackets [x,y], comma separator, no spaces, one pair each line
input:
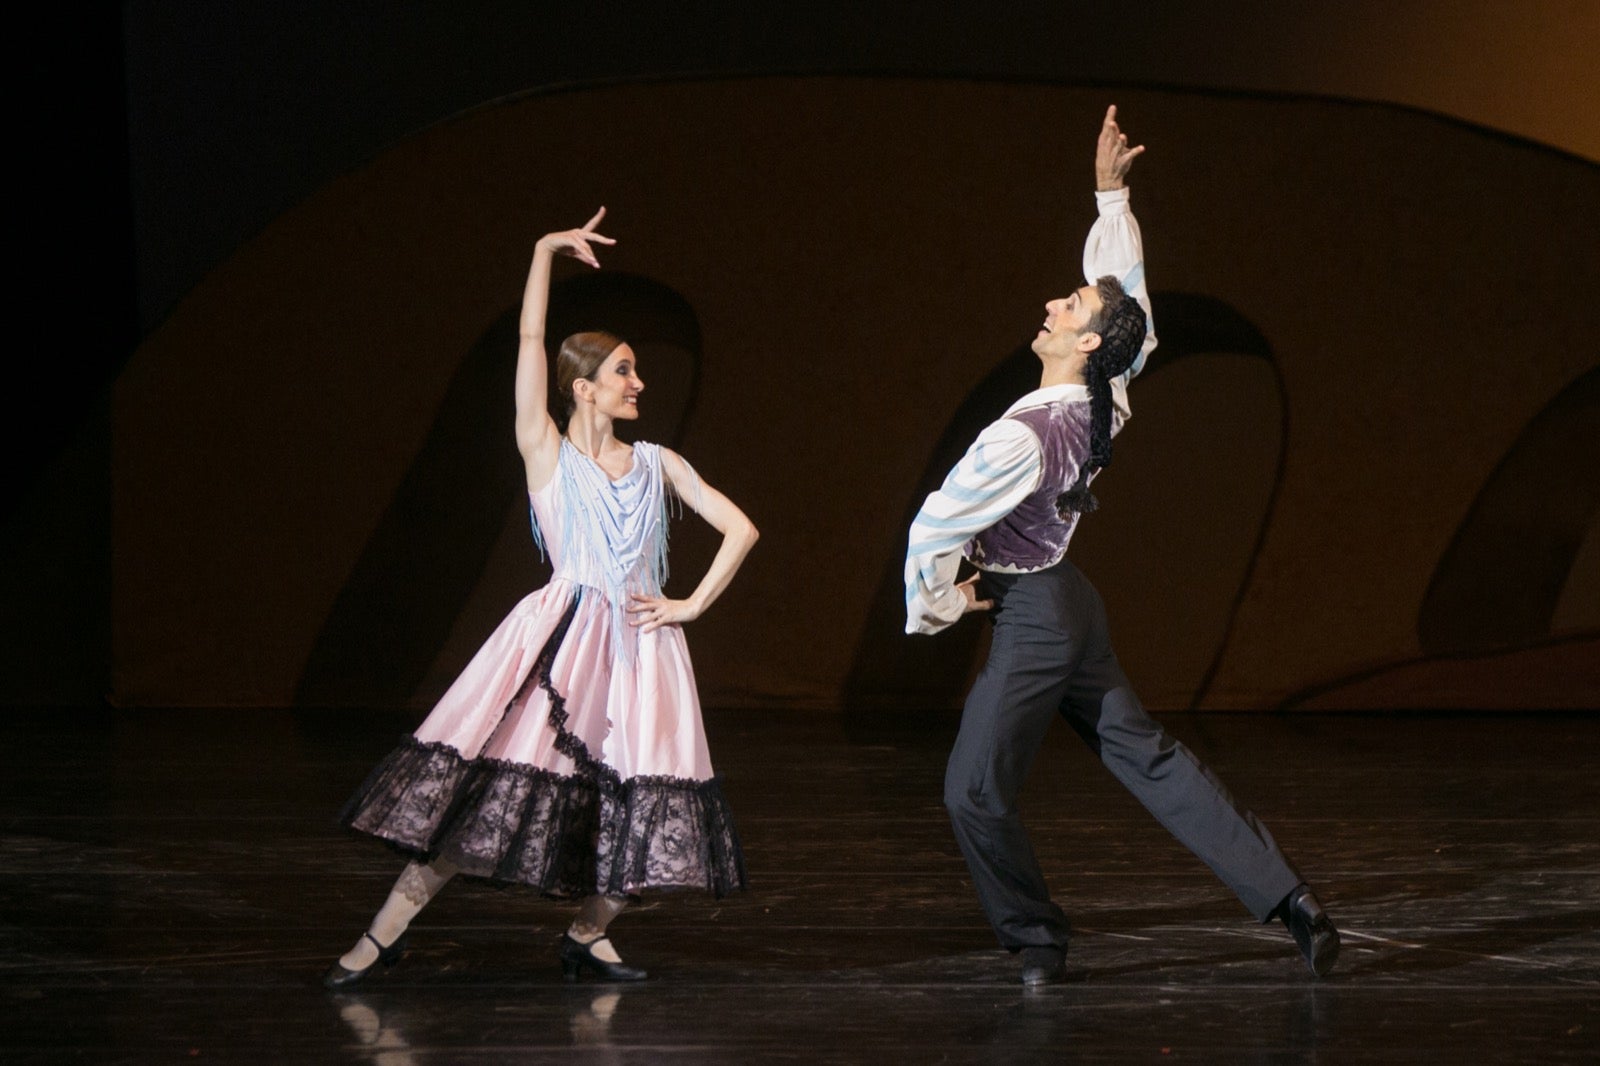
[1065,319]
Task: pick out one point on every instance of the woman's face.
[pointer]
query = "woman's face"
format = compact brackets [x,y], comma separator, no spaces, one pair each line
[615,387]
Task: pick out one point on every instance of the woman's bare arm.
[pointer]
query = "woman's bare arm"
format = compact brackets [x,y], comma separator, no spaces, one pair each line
[537,436]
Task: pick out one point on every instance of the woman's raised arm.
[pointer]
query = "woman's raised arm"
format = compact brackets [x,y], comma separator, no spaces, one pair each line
[537,437]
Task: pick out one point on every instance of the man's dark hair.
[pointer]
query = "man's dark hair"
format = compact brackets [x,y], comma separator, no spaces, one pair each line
[1120,322]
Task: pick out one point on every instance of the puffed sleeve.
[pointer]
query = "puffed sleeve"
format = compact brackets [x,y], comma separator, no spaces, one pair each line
[1116,247]
[997,473]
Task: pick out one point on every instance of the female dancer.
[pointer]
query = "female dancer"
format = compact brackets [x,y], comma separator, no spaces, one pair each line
[570,755]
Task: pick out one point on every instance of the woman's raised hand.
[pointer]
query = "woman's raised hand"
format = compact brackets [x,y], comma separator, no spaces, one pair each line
[575,242]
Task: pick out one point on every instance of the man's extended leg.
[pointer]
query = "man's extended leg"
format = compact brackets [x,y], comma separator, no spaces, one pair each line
[1165,776]
[1196,808]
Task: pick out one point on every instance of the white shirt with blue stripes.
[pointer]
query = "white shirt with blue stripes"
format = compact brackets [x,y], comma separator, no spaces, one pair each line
[1003,465]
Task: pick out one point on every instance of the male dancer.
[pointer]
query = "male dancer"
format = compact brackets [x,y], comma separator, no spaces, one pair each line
[1010,506]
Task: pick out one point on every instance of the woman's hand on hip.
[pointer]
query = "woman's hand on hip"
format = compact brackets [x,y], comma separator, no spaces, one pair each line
[652,612]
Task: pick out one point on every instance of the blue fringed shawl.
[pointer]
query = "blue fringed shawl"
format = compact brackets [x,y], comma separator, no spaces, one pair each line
[613,533]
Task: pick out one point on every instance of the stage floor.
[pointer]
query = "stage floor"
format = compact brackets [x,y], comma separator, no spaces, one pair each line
[174,886]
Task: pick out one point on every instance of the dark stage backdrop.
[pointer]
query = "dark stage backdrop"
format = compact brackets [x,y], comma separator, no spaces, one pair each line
[1361,472]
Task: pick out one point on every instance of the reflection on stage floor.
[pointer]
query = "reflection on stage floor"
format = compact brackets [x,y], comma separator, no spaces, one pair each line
[174,886]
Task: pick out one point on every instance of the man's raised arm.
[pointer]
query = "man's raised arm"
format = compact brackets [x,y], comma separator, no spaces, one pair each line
[1114,246]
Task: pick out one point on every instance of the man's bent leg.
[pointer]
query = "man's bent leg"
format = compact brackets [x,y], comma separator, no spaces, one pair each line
[1010,707]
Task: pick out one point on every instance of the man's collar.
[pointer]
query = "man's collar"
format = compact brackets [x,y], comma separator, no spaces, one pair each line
[1049,394]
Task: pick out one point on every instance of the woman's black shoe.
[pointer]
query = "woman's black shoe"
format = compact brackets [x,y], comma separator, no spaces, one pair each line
[575,956]
[339,977]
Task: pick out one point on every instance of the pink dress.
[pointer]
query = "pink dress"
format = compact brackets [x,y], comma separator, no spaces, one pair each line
[570,754]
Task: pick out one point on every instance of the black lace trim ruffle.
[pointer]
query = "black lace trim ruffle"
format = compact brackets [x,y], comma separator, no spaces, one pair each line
[590,832]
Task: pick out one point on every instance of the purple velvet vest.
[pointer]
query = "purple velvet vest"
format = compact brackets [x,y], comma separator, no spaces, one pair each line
[1033,536]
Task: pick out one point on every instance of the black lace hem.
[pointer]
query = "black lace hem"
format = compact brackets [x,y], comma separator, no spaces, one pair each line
[590,832]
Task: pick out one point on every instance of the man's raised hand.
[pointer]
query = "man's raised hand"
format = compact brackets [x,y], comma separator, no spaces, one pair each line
[1112,156]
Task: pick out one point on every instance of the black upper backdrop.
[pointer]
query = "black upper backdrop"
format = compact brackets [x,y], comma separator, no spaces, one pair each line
[160,136]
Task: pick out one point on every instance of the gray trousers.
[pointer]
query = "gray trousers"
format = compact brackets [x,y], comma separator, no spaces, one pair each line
[1052,655]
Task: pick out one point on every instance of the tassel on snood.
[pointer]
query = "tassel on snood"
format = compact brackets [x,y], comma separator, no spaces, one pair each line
[1121,326]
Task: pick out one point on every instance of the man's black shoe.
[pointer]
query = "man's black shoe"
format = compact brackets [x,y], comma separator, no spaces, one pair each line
[1311,928]
[1043,965]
